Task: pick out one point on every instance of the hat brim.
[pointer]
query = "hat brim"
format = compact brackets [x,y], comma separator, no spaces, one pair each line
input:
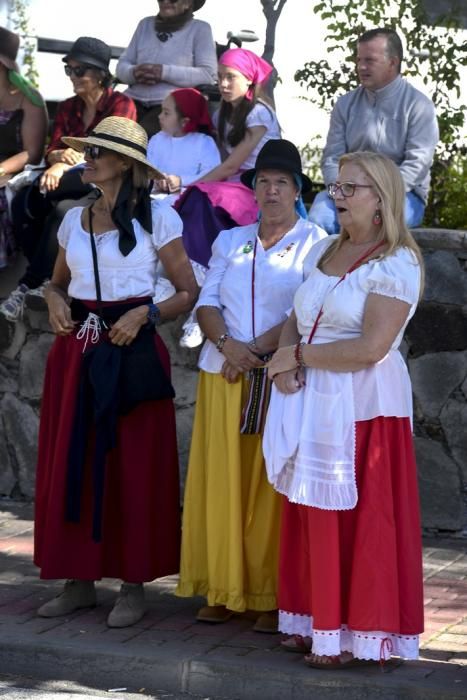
[248,176]
[86,59]
[198,4]
[79,144]
[9,63]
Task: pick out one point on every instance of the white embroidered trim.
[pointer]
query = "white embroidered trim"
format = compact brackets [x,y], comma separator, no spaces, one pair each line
[91,326]
[363,645]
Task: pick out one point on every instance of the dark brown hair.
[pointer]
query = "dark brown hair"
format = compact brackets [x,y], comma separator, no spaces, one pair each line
[236,116]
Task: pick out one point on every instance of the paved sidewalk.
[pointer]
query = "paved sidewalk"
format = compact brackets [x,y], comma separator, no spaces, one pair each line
[169,650]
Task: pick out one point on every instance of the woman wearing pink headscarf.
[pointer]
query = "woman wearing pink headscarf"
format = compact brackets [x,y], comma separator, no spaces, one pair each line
[245,121]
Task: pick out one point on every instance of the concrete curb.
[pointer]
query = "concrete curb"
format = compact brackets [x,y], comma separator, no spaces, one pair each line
[240,678]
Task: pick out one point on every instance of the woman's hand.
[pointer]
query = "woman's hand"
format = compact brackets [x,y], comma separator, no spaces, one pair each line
[174,183]
[59,314]
[229,372]
[125,330]
[283,360]
[290,382]
[50,180]
[71,157]
[239,355]
[148,73]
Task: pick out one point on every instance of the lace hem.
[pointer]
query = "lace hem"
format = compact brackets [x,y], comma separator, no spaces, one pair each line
[308,487]
[375,645]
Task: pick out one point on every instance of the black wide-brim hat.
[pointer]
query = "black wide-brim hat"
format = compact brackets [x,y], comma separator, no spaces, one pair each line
[90,52]
[277,154]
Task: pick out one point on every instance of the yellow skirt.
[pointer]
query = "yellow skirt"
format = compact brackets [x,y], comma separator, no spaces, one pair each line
[231,516]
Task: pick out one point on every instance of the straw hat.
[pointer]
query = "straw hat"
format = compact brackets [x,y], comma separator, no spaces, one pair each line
[121,135]
[9,45]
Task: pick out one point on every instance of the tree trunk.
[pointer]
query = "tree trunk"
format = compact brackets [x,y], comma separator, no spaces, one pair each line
[272,10]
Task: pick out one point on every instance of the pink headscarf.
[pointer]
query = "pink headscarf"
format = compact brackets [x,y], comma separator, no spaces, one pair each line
[249,64]
[194,106]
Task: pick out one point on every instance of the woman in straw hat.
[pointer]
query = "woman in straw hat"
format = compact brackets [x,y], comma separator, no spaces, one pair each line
[107,496]
[167,51]
[23,128]
[231,514]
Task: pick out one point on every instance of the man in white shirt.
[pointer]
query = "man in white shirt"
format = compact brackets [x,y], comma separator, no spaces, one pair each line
[384,114]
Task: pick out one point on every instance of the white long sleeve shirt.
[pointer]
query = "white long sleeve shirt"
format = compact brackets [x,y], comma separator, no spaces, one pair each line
[278,273]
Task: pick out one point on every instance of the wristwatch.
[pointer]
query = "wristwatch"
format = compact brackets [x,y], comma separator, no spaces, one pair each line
[3,172]
[154,315]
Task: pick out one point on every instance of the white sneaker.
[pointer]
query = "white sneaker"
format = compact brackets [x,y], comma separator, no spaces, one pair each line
[192,336]
[35,297]
[12,308]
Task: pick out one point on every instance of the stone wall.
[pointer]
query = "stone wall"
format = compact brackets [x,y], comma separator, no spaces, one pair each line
[435,347]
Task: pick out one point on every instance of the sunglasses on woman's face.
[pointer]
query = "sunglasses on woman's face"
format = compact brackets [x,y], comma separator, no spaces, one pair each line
[94,152]
[172,2]
[78,71]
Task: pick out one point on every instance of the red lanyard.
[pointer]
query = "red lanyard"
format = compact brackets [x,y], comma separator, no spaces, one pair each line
[351,269]
[253,292]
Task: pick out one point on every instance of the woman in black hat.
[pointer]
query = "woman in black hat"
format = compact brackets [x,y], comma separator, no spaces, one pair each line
[107,492]
[39,209]
[231,514]
[23,128]
[168,51]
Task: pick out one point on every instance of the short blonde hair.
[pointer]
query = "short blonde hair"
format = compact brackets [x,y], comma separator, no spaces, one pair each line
[387,181]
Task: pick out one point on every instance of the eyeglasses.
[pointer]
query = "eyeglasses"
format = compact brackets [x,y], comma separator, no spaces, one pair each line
[347,188]
[94,152]
[172,2]
[79,71]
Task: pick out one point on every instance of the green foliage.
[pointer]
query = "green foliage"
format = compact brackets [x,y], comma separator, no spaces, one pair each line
[21,26]
[447,204]
[436,53]
[311,157]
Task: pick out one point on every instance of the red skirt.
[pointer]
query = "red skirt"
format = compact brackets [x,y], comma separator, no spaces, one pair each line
[141,507]
[344,573]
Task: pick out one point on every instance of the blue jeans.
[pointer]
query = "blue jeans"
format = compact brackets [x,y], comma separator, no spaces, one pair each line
[323,212]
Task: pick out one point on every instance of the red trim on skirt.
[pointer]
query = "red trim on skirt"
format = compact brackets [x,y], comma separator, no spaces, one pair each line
[141,510]
[361,567]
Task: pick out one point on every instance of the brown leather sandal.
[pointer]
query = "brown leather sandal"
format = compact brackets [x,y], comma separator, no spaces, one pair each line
[336,663]
[297,644]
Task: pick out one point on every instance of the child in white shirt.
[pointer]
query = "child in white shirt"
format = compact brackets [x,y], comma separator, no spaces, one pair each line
[184,150]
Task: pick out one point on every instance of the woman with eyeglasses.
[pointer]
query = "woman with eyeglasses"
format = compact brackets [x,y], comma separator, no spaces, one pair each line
[338,438]
[171,50]
[107,490]
[38,210]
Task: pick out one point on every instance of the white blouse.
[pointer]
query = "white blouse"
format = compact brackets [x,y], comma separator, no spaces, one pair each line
[309,438]
[121,277]
[260,115]
[190,156]
[278,273]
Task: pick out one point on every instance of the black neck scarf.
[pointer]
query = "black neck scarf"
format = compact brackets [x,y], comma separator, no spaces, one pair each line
[132,203]
[165,27]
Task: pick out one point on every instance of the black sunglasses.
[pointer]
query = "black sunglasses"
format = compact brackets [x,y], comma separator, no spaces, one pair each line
[172,2]
[79,71]
[95,152]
